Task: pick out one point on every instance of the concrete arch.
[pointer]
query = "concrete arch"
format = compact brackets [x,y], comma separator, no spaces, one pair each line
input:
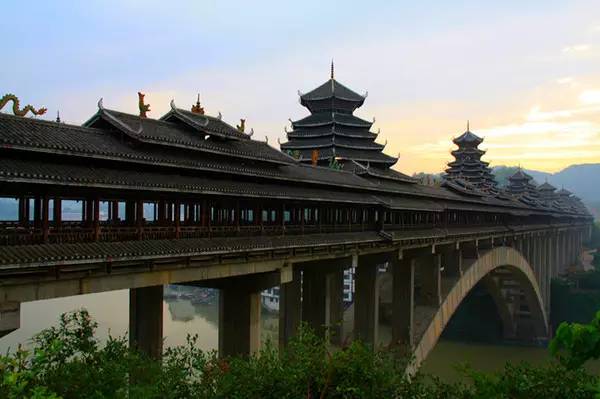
[501,257]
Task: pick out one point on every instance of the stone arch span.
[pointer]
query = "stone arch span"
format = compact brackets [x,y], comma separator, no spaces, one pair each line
[505,260]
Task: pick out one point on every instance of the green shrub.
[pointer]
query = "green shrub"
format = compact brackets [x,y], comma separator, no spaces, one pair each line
[68,362]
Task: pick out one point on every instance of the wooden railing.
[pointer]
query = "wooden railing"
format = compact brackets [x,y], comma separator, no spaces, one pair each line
[11,233]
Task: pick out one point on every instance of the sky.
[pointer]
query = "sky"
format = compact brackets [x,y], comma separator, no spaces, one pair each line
[526,74]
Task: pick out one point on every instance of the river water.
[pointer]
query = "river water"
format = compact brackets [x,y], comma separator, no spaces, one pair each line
[181,317]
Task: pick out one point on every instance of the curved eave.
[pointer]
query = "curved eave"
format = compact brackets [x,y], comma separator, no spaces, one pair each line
[136,136]
[181,116]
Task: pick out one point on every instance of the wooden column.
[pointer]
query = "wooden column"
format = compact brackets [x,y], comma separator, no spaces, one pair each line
[115,211]
[37,212]
[57,213]
[24,211]
[89,212]
[96,220]
[45,219]
[177,217]
[139,218]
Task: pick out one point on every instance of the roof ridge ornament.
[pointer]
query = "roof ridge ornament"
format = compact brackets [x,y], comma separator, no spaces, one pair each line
[251,132]
[197,108]
[15,107]
[242,126]
[267,139]
[285,129]
[58,116]
[378,130]
[172,104]
[366,94]
[374,119]
[100,104]
[142,106]
[220,116]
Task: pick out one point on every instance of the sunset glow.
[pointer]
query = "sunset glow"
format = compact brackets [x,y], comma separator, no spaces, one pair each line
[526,76]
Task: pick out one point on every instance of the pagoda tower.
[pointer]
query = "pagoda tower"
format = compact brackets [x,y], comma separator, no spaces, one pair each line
[331,134]
[520,184]
[467,164]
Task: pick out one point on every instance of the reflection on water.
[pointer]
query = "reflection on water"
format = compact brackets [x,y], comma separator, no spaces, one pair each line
[111,311]
[186,316]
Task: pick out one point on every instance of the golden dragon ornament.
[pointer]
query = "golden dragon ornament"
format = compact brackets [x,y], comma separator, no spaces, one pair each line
[20,112]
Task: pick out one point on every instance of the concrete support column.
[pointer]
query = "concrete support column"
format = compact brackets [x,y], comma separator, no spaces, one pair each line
[403,301]
[289,308]
[239,321]
[525,244]
[546,271]
[366,301]
[334,305]
[146,320]
[10,317]
[561,252]
[452,262]
[314,298]
[431,279]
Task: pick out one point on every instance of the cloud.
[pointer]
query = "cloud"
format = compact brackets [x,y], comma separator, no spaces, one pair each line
[576,48]
[590,97]
[566,80]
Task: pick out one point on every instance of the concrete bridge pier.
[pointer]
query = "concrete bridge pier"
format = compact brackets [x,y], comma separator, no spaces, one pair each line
[146,320]
[403,301]
[322,296]
[366,298]
[290,310]
[239,321]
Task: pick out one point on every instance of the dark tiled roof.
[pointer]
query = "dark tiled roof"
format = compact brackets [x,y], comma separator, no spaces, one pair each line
[328,118]
[520,175]
[175,135]
[352,155]
[332,88]
[205,123]
[46,172]
[546,187]
[337,129]
[381,173]
[468,138]
[118,251]
[331,141]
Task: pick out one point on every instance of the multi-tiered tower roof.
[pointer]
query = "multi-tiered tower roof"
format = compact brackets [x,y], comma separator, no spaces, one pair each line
[332,132]
[467,164]
[520,183]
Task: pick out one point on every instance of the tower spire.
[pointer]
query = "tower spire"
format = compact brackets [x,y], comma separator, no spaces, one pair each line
[332,69]
[468,126]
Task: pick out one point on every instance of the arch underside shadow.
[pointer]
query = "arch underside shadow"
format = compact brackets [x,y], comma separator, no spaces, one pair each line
[511,282]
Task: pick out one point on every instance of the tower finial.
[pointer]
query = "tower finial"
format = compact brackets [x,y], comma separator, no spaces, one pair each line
[332,69]
[57,116]
[468,125]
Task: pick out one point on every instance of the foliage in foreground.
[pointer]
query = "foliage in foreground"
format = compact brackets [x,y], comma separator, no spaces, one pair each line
[68,362]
